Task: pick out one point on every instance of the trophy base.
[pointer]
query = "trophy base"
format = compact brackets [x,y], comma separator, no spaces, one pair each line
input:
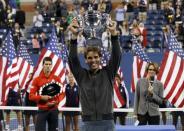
[94,42]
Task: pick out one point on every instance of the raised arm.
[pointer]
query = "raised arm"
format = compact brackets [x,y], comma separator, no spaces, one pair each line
[74,62]
[115,59]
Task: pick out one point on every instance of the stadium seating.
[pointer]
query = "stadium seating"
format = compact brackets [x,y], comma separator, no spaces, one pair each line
[154,24]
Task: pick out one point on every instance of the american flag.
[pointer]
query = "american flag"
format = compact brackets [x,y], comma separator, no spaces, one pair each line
[174,45]
[64,52]
[118,100]
[25,66]
[140,61]
[124,86]
[52,50]
[171,72]
[8,61]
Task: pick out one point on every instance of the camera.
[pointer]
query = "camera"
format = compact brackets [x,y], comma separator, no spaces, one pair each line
[10,21]
[52,19]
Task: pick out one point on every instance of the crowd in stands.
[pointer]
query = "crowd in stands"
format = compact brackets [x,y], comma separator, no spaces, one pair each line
[147,20]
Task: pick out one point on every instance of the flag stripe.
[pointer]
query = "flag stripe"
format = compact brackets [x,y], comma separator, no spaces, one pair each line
[134,73]
[1,64]
[3,79]
[178,96]
[24,74]
[172,75]
[56,65]
[168,78]
[178,86]
[24,70]
[161,70]
[182,101]
[13,75]
[124,87]
[139,63]
[176,75]
[117,95]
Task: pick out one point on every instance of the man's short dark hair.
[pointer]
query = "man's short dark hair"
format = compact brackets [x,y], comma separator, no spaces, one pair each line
[47,59]
[93,49]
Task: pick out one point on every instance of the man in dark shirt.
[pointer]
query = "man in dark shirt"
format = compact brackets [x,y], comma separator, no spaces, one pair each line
[95,83]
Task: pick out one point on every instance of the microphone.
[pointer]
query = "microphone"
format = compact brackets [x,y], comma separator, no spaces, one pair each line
[152,78]
[150,88]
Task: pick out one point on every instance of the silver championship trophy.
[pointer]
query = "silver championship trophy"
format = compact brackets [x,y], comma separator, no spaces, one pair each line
[93,23]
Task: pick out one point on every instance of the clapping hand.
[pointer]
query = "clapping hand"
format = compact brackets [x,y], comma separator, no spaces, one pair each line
[112,28]
[74,28]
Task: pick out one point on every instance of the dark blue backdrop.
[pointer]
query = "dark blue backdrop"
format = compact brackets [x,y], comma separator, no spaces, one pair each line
[126,65]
